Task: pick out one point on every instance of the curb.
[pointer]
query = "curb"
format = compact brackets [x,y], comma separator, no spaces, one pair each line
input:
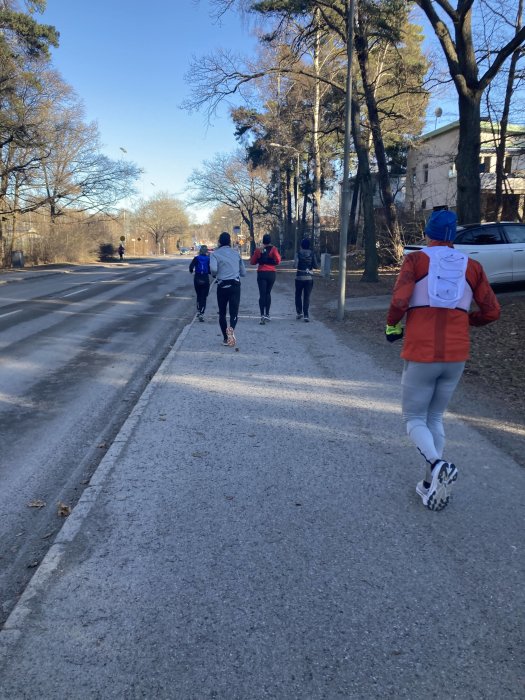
[11,631]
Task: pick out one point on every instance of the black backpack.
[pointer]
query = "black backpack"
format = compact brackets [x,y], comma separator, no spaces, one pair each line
[265,258]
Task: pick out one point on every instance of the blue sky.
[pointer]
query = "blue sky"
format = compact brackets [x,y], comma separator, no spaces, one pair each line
[126,60]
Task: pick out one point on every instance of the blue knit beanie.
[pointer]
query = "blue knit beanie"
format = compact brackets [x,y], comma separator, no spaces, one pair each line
[305,243]
[441,225]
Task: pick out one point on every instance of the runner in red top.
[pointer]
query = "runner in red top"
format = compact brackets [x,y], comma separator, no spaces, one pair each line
[267,258]
[435,288]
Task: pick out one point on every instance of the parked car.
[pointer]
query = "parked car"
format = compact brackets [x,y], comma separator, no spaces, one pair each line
[184,251]
[498,246]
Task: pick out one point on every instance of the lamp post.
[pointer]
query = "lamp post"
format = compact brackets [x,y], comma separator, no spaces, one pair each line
[296,191]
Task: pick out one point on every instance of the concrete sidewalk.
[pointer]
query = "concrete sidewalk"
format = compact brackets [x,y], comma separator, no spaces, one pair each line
[254,532]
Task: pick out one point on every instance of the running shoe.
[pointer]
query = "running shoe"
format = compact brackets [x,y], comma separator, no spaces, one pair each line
[444,474]
[200,317]
[299,317]
[231,337]
[306,319]
[267,317]
[262,321]
[422,491]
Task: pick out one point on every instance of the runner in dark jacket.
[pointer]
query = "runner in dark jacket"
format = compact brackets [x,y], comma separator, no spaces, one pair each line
[200,265]
[305,263]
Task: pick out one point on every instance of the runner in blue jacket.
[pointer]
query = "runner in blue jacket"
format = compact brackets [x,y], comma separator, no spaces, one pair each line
[200,267]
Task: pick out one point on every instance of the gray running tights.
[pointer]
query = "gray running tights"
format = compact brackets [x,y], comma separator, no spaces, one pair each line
[427,388]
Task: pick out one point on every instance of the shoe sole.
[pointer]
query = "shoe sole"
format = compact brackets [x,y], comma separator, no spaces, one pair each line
[441,487]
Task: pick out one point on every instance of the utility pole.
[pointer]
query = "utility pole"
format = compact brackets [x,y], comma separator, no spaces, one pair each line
[345,190]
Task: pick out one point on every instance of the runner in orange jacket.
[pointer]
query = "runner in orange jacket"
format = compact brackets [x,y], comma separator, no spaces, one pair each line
[436,343]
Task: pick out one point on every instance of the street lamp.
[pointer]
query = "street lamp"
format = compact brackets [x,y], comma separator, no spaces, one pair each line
[296,191]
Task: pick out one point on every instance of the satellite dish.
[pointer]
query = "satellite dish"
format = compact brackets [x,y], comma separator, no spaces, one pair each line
[438,112]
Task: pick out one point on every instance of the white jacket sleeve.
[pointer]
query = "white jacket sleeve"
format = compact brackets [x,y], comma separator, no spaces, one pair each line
[213,265]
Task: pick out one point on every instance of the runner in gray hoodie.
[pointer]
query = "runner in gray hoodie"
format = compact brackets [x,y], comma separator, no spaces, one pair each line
[227,267]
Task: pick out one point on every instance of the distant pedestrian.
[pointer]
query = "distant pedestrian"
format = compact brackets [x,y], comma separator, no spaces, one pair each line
[267,258]
[121,251]
[227,267]
[200,266]
[435,288]
[305,263]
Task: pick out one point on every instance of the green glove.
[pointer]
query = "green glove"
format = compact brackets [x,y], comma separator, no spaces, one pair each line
[394,333]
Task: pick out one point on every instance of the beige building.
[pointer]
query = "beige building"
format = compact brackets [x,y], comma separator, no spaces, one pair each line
[431,172]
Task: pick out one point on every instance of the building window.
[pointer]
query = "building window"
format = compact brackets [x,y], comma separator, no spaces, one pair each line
[508,164]
[424,204]
[486,162]
[425,172]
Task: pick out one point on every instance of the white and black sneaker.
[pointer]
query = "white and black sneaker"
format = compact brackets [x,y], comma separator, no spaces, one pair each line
[444,474]
[299,317]
[422,491]
[262,321]
[266,317]
[231,340]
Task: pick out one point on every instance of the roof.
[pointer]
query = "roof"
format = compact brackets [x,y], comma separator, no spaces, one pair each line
[512,129]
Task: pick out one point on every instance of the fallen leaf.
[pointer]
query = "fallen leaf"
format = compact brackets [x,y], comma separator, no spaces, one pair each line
[33,565]
[63,510]
[37,503]
[103,445]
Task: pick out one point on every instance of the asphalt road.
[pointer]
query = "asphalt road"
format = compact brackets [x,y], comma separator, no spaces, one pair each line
[77,347]
[254,532]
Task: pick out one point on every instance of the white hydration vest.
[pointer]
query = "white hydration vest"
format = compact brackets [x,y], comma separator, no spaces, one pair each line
[445,286]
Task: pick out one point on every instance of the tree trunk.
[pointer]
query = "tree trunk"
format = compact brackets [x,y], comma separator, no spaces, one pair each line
[352,228]
[303,215]
[316,209]
[367,196]
[289,235]
[502,145]
[468,207]
[392,222]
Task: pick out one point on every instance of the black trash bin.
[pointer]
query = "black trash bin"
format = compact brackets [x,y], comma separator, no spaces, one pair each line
[17,258]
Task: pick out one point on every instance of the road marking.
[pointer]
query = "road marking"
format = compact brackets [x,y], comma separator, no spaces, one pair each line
[72,293]
[10,313]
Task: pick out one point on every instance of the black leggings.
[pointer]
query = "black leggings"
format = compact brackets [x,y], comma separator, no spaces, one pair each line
[265,282]
[303,289]
[228,294]
[202,287]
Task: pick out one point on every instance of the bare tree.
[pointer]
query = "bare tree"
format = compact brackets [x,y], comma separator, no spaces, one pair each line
[230,180]
[454,29]
[162,217]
